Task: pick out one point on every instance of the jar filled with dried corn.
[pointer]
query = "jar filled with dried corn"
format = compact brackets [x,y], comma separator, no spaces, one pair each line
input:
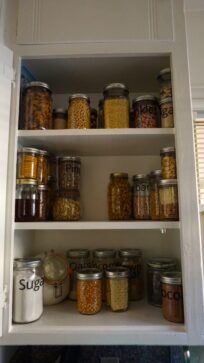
[141,196]
[117,288]
[168,162]
[154,177]
[168,199]
[119,197]
[79,112]
[116,106]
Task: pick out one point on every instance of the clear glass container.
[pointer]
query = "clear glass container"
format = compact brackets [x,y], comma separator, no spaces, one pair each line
[167,117]
[168,199]
[37,106]
[79,113]
[141,208]
[66,206]
[154,178]
[119,197]
[116,106]
[69,173]
[132,259]
[43,203]
[117,288]
[146,112]
[27,161]
[26,203]
[155,268]
[59,118]
[42,167]
[168,162]
[172,297]
[164,79]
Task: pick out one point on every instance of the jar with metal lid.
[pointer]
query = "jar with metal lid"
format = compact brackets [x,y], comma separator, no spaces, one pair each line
[69,173]
[155,268]
[154,177]
[119,197]
[172,297]
[79,113]
[37,106]
[141,208]
[146,112]
[89,291]
[59,118]
[27,290]
[117,288]
[168,162]
[78,259]
[43,203]
[26,203]
[131,258]
[94,117]
[66,206]
[164,79]
[116,106]
[100,124]
[27,162]
[42,167]
[168,199]
[167,117]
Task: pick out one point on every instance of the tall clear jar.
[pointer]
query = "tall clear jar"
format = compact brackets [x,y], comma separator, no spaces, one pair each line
[168,162]
[141,206]
[154,177]
[146,112]
[69,173]
[66,206]
[78,259]
[43,207]
[59,118]
[79,112]
[37,106]
[168,199]
[27,161]
[26,203]
[42,167]
[116,106]
[167,117]
[119,197]
[164,79]
[117,288]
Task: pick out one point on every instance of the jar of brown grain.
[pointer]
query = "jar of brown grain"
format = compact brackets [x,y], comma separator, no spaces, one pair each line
[172,297]
[119,197]
[79,113]
[116,106]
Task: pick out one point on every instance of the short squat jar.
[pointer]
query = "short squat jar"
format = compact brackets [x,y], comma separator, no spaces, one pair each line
[79,113]
[141,196]
[43,207]
[89,291]
[168,162]
[172,297]
[119,197]
[27,162]
[164,79]
[59,118]
[117,288]
[42,167]
[116,106]
[69,173]
[155,268]
[66,206]
[26,204]
[146,112]
[154,178]
[167,117]
[168,199]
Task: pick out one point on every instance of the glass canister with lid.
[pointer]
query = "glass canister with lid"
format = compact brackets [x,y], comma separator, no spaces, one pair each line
[168,199]
[167,117]
[164,79]
[154,177]
[42,167]
[43,207]
[141,207]
[146,112]
[59,118]
[168,162]
[26,203]
[27,162]
[79,112]
[117,288]
[172,296]
[66,206]
[69,168]
[119,197]
[116,106]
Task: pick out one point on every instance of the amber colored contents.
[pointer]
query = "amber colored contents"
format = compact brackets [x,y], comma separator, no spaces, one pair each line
[79,114]
[119,198]
[89,296]
[27,165]
[42,169]
[116,113]
[172,303]
[168,163]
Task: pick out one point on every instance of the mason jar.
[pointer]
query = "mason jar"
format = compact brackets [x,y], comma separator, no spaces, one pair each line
[154,178]
[146,112]
[119,197]
[69,173]
[26,203]
[141,208]
[43,207]
[66,206]
[79,113]
[59,118]
[167,117]
[116,106]
[168,199]
[168,162]
[27,162]
[164,79]
[117,288]
[42,167]
[172,297]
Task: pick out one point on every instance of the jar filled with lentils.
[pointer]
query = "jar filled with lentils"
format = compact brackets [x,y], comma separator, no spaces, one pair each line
[117,288]
[59,118]
[141,206]
[26,203]
[168,162]
[66,206]
[37,106]
[119,197]
[168,199]
[164,79]
[69,173]
[167,117]
[116,106]
[132,259]
[154,177]
[79,113]
[27,161]
[42,167]
[146,112]
[89,291]
[43,208]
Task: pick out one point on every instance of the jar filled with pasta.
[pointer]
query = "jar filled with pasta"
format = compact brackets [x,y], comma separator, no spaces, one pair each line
[154,177]
[26,203]
[116,106]
[27,161]
[119,197]
[66,206]
[117,288]
[141,208]
[168,162]
[164,79]
[146,112]
[79,113]
[42,167]
[168,199]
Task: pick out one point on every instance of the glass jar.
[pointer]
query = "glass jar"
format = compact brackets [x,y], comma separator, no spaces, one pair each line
[79,114]
[66,206]
[89,291]
[37,106]
[141,208]
[43,203]
[94,116]
[116,106]
[42,167]
[52,169]
[168,199]
[27,161]
[155,268]
[154,177]
[78,259]
[69,173]
[146,112]
[100,124]
[132,259]
[167,117]
[119,197]
[172,297]
[26,204]
[168,162]
[117,288]
[59,118]
[164,79]
[27,290]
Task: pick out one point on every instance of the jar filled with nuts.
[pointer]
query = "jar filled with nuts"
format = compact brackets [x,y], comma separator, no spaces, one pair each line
[79,113]
[69,173]
[164,79]
[42,167]
[43,203]
[168,199]
[66,206]
[146,112]
[117,288]
[154,177]
[141,208]
[116,106]
[168,162]
[59,118]
[119,197]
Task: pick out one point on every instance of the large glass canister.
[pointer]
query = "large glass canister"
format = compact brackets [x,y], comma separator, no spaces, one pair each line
[26,203]
[166,108]
[172,297]
[168,162]
[69,173]
[141,207]
[78,259]
[146,112]
[89,291]
[42,167]
[117,288]
[164,79]
[27,290]
[27,161]
[168,199]
[79,112]
[154,178]
[155,268]
[43,206]
[119,197]
[116,106]
[131,258]
[37,106]
[59,118]
[66,206]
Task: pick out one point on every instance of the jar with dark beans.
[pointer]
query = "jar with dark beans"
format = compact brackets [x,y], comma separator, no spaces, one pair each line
[141,196]
[69,173]
[119,197]
[154,177]
[26,204]
[172,297]
[146,112]
[43,203]
[164,79]
[168,199]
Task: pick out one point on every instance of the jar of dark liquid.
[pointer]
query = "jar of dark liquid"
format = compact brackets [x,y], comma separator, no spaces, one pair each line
[26,209]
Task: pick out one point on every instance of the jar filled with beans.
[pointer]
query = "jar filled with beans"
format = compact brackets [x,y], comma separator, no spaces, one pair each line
[89,291]
[59,118]
[167,117]
[164,79]
[66,206]
[116,106]
[69,173]
[79,113]
[172,297]
[37,106]
[119,197]
[43,203]
[146,112]
[168,162]
[26,203]
[154,177]
[27,162]
[117,288]
[132,259]
[141,207]
[42,167]
[168,199]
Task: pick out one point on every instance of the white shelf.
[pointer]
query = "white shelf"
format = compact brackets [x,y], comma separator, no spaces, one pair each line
[99,141]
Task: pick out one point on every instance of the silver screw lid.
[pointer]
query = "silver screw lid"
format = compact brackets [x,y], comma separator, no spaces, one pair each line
[145,98]
[167,182]
[104,252]
[166,150]
[37,84]
[130,252]
[89,274]
[117,272]
[78,252]
[161,263]
[79,95]
[28,262]
[165,100]
[172,278]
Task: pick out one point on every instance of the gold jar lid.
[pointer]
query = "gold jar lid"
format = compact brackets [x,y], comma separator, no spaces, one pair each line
[26,182]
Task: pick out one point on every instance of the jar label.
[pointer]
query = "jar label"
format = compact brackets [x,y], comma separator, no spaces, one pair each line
[34,285]
[166,111]
[172,295]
